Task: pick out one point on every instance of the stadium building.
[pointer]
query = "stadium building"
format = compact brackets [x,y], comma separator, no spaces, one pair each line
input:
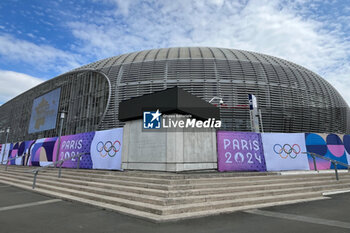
[291,97]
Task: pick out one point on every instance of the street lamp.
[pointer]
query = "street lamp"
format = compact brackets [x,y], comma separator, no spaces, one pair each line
[218,98]
[7,135]
[62,116]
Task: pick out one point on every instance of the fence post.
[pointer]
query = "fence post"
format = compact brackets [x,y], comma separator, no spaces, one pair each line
[336,170]
[78,163]
[314,159]
[34,180]
[59,170]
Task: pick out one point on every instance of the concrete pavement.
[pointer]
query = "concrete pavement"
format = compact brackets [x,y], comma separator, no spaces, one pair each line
[25,211]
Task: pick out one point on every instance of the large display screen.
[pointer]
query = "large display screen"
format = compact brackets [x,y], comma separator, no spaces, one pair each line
[44,112]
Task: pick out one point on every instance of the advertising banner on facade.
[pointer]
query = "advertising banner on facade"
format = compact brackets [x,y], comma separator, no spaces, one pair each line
[44,112]
[283,151]
[1,154]
[240,151]
[73,145]
[17,150]
[106,149]
[327,145]
[346,141]
[103,150]
[4,152]
[41,152]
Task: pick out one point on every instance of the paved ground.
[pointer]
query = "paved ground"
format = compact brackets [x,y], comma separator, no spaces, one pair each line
[25,211]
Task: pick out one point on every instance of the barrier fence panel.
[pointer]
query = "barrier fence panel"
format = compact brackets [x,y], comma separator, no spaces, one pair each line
[41,153]
[105,149]
[5,148]
[283,151]
[280,151]
[240,151]
[72,145]
[332,146]
[18,149]
[236,151]
[346,140]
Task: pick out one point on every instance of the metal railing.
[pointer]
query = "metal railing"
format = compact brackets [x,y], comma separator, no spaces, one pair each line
[334,162]
[60,163]
[10,159]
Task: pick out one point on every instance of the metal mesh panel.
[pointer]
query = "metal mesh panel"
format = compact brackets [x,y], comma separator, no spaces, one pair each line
[292,98]
[83,95]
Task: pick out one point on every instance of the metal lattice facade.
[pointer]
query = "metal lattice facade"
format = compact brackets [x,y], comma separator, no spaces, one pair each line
[291,98]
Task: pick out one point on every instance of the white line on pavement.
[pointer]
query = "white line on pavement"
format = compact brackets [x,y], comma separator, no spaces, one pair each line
[29,204]
[335,192]
[300,218]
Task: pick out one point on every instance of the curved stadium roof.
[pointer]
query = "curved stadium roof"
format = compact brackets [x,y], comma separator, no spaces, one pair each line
[291,97]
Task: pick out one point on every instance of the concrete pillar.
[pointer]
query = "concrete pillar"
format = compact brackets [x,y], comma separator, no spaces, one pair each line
[168,149]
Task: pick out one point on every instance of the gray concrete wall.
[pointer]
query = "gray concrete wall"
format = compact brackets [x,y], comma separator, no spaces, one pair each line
[168,150]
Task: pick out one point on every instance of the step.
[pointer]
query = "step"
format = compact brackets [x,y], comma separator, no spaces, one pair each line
[215,182]
[251,184]
[228,195]
[137,190]
[207,188]
[185,178]
[54,171]
[258,193]
[212,212]
[89,179]
[194,207]
[146,207]
[109,192]
[215,190]
[210,200]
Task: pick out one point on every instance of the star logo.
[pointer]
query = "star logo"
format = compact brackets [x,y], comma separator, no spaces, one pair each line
[152,120]
[156,115]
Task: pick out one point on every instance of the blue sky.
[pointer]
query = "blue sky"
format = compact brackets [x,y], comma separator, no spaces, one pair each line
[40,39]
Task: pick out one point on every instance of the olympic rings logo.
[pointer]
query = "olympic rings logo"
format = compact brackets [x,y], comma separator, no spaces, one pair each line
[288,150]
[108,148]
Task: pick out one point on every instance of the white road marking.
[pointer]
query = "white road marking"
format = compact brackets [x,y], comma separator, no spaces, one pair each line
[301,218]
[335,192]
[29,204]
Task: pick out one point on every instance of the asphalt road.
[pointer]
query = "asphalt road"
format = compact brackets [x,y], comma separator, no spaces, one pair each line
[24,211]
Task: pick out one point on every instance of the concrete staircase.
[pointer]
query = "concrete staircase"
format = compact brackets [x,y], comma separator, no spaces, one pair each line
[159,196]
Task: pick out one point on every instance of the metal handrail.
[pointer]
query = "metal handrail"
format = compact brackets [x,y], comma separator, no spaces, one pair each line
[11,160]
[334,162]
[60,162]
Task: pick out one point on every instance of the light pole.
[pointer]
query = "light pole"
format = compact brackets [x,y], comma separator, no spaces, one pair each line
[62,116]
[7,135]
[218,98]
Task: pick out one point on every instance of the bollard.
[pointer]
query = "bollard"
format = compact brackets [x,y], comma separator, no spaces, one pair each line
[315,166]
[336,170]
[34,180]
[78,164]
[59,170]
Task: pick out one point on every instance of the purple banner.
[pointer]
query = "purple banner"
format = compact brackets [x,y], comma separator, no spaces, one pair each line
[72,145]
[240,151]
[18,149]
[328,145]
[41,152]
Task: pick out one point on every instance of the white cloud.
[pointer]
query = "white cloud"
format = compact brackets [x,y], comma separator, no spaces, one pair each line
[13,84]
[42,57]
[286,29]
[340,79]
